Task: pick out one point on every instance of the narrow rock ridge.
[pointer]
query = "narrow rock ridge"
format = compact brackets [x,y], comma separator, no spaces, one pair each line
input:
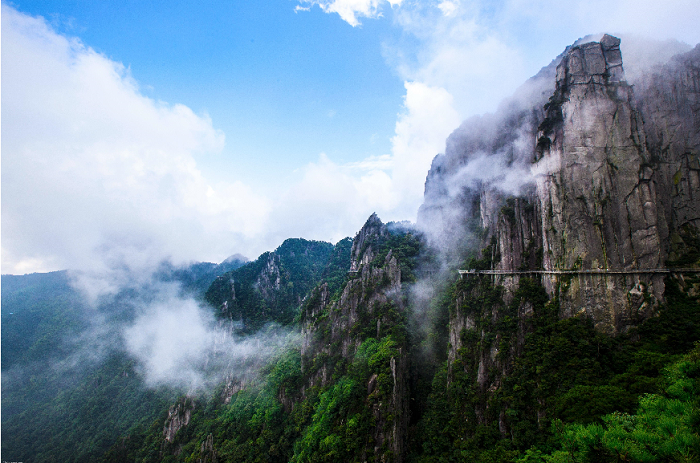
[335,327]
[179,416]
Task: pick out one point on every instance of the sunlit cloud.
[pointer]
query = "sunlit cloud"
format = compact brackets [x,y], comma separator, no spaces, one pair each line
[349,10]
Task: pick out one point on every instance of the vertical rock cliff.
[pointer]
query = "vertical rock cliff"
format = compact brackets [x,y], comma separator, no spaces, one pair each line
[608,180]
[597,203]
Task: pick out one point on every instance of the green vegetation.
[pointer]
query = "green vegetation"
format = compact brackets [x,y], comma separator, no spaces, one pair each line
[553,117]
[40,313]
[664,428]
[329,423]
[336,272]
[345,414]
[405,246]
[567,374]
[59,402]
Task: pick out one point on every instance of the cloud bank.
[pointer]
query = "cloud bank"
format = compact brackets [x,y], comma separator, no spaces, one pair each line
[98,177]
[95,175]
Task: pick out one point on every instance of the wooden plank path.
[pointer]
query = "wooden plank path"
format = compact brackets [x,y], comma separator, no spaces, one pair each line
[596,271]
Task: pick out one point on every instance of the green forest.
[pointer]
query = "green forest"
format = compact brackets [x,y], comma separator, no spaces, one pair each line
[375,380]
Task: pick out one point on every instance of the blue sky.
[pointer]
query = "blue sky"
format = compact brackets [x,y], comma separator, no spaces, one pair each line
[283,85]
[137,131]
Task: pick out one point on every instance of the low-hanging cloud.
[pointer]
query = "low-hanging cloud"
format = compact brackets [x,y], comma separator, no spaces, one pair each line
[100,179]
[178,343]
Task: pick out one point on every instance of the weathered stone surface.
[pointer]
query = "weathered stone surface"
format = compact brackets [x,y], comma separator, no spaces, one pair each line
[669,99]
[207,451]
[361,252]
[178,417]
[597,209]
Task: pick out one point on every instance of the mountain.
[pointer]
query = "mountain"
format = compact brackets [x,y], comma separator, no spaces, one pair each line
[570,335]
[598,187]
[612,179]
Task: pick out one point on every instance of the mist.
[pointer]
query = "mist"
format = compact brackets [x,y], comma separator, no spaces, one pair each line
[178,343]
[490,157]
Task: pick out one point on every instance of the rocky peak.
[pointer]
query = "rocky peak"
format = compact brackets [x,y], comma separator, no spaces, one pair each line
[615,177]
[592,62]
[362,252]
[269,279]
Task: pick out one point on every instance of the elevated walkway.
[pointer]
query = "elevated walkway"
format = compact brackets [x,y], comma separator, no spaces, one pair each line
[645,271]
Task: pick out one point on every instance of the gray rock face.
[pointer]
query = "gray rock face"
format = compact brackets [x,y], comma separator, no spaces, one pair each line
[611,176]
[207,451]
[669,100]
[597,209]
[361,252]
[178,417]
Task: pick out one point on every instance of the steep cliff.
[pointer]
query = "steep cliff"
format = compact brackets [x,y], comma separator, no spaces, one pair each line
[591,174]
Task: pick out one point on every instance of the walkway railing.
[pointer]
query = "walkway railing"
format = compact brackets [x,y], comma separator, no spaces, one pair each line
[597,271]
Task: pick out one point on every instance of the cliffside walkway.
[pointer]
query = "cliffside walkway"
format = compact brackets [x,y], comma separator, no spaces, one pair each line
[601,271]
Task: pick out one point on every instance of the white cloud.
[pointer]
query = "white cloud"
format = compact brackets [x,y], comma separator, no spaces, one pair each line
[103,180]
[448,7]
[428,118]
[97,176]
[662,20]
[349,10]
[331,201]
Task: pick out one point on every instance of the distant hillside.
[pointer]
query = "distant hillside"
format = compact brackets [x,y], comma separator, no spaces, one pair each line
[272,287]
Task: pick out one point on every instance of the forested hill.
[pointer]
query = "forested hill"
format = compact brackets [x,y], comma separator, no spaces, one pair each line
[271,288]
